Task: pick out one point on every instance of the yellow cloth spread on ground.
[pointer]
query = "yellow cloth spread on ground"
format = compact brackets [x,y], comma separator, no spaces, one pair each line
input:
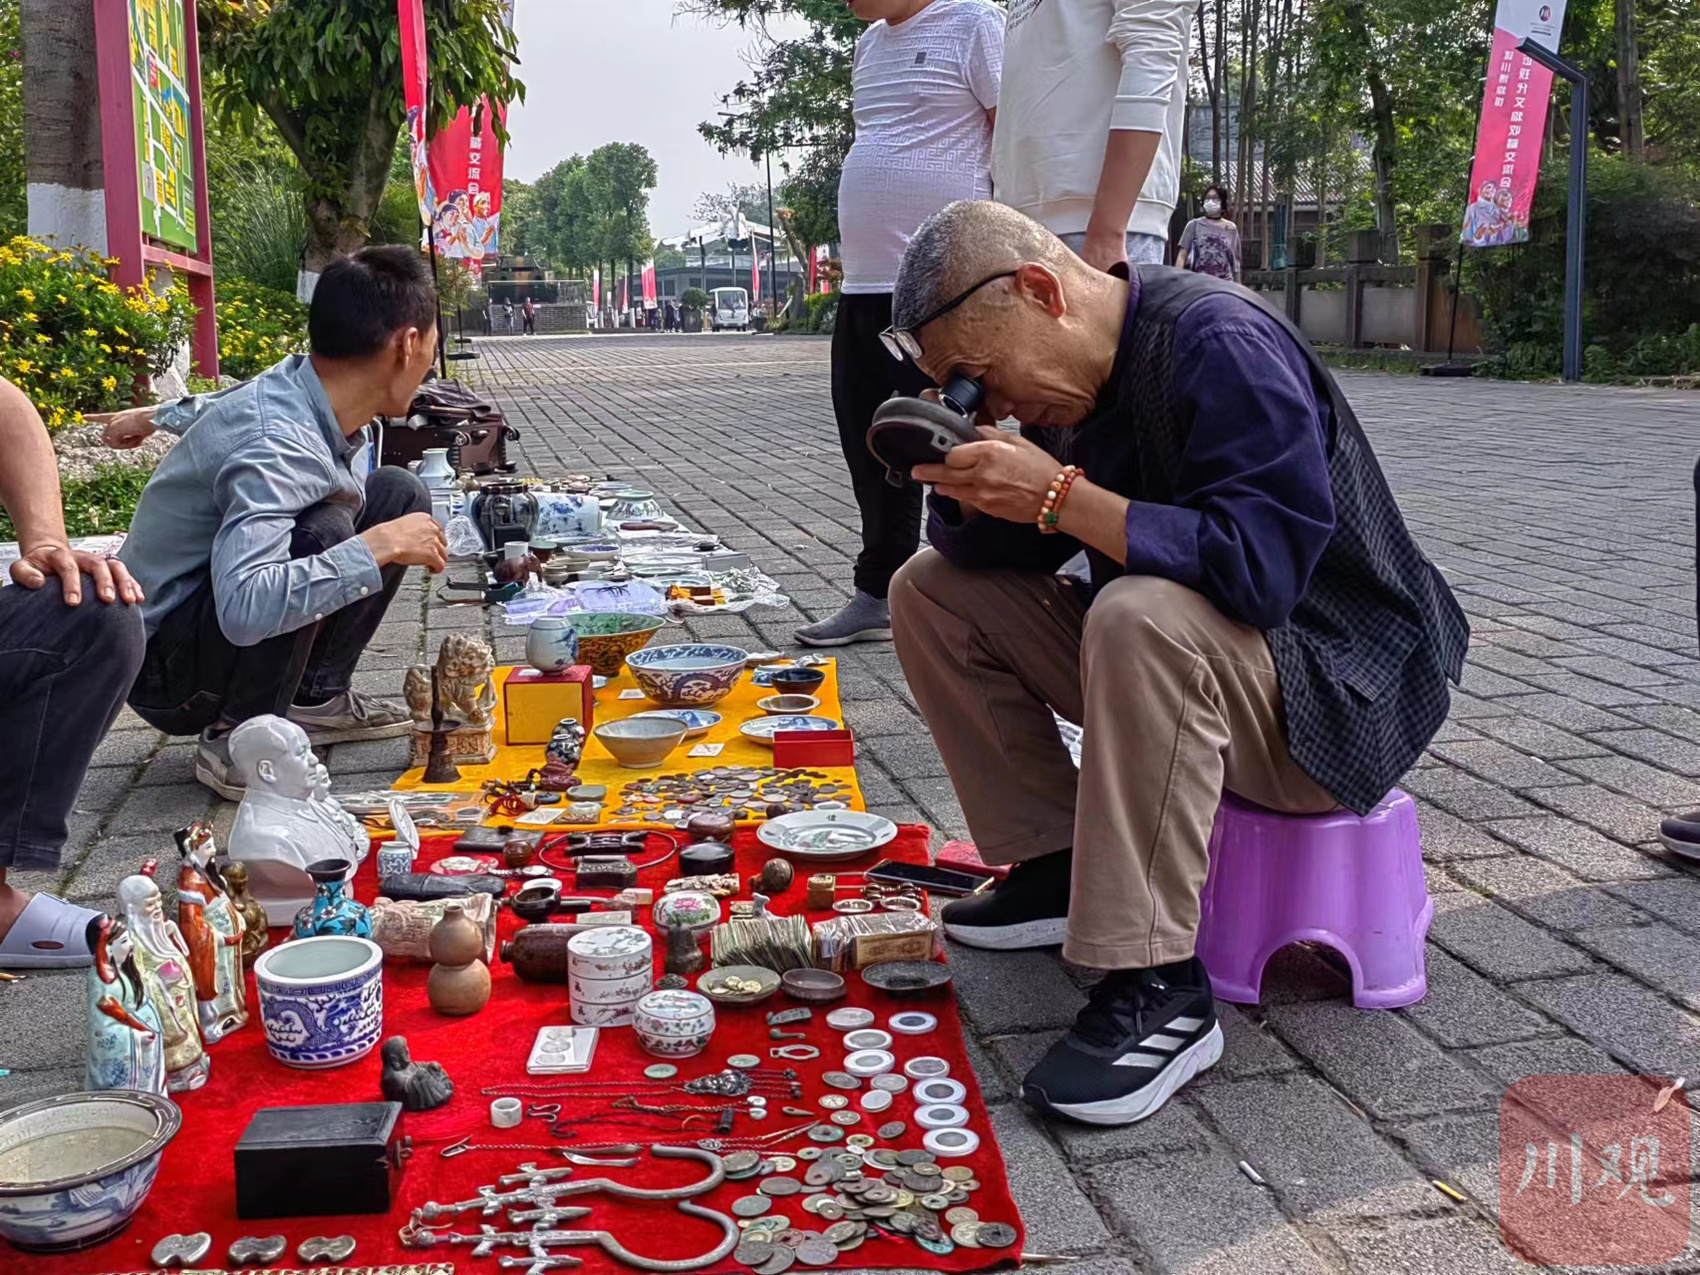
[599,767]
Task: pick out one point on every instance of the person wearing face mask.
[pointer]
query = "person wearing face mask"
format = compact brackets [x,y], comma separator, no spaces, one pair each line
[1211,244]
[924,89]
[1259,619]
[267,564]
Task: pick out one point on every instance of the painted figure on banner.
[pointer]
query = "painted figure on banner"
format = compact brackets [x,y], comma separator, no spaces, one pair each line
[416,150]
[213,929]
[126,1044]
[1482,216]
[163,959]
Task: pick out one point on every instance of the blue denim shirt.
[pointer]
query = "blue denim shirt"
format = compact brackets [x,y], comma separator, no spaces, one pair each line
[225,499]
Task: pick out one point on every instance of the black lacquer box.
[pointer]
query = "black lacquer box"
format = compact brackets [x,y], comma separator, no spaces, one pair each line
[308,1161]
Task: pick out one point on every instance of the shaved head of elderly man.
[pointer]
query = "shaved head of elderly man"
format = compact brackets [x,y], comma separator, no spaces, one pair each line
[1258,619]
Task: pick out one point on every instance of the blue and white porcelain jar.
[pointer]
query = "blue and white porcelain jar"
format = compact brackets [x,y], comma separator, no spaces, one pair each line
[321,1000]
[552,644]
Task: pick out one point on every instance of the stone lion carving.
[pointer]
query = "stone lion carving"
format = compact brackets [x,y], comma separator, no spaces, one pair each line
[464,666]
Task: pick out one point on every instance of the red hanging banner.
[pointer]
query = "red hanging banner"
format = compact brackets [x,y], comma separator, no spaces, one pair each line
[411,15]
[1513,124]
[466,171]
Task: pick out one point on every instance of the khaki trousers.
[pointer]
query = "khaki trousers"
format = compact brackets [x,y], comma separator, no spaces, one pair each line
[1176,701]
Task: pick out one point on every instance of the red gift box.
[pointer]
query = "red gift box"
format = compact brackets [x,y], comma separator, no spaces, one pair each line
[809,749]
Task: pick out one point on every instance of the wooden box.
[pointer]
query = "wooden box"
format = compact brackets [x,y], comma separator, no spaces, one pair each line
[316,1161]
[535,703]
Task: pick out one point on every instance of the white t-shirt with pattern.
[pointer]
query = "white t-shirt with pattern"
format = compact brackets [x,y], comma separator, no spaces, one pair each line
[921,91]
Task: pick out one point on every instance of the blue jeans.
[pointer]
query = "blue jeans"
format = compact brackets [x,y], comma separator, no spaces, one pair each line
[1142,250]
[64,672]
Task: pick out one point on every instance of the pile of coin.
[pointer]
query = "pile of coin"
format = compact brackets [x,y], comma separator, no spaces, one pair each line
[745,792]
[854,1193]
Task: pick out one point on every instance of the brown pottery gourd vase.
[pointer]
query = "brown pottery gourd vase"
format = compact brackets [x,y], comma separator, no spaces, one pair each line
[459,983]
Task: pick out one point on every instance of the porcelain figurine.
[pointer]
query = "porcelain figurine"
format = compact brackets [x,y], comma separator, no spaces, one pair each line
[213,932]
[455,694]
[331,811]
[163,959]
[416,1086]
[551,644]
[459,982]
[333,910]
[126,1043]
[280,829]
[254,935]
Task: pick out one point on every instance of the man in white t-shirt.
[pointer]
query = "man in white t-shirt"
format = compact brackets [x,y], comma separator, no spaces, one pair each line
[925,90]
[1089,131]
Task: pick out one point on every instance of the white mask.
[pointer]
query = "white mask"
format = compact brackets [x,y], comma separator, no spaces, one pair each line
[1212,208]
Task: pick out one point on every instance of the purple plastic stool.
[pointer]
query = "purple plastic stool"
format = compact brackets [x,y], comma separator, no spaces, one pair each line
[1354,884]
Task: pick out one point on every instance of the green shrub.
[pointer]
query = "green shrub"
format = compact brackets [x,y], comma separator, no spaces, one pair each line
[823,312]
[1641,281]
[694,299]
[104,503]
[256,327]
[74,341]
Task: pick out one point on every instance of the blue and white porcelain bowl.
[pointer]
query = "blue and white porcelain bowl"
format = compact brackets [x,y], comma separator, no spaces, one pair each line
[321,1000]
[74,1169]
[692,675]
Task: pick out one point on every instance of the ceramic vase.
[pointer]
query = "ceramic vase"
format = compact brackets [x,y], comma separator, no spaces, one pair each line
[459,983]
[538,952]
[332,911]
[435,471]
[552,644]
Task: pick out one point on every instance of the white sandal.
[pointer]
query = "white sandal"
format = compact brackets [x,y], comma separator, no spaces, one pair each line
[49,934]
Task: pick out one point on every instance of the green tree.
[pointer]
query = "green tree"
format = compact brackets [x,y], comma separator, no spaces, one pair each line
[742,197]
[14,211]
[520,227]
[327,73]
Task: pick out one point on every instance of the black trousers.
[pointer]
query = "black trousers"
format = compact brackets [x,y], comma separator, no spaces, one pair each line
[63,675]
[864,375]
[193,677]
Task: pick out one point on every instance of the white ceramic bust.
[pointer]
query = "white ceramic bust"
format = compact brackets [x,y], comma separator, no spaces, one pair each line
[280,826]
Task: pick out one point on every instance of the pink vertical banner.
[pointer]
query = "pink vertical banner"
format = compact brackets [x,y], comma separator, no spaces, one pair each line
[596,289]
[1513,124]
[649,291]
[411,15]
[466,171]
[755,272]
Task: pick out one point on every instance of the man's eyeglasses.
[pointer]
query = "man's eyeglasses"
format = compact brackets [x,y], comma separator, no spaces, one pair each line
[901,342]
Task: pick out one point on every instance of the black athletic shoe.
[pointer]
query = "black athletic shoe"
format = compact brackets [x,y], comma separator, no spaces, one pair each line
[1028,908]
[1143,1035]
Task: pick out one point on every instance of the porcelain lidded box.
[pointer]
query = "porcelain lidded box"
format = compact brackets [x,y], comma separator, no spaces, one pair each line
[690,910]
[673,1024]
[615,951]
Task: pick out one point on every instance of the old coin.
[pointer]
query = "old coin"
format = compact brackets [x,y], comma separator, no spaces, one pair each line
[903,1223]
[782,1164]
[958,1172]
[883,1158]
[743,1062]
[751,1206]
[817,1251]
[826,1133]
[937,1244]
[840,1080]
[842,1232]
[996,1235]
[661,1071]
[741,1163]
[752,1252]
[958,1216]
[848,1160]
[881,1211]
[812,1203]
[845,1117]
[779,1259]
[780,1186]
[834,1101]
[860,1141]
[830,1211]
[889,1081]
[937,1203]
[808,1153]
[824,1172]
[790,1237]
[912,1158]
[967,1234]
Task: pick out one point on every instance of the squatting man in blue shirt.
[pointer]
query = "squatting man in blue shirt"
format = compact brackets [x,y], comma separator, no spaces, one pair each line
[1258,618]
[266,562]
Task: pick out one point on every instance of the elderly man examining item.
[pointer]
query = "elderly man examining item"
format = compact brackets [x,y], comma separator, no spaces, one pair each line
[70,641]
[268,563]
[1258,620]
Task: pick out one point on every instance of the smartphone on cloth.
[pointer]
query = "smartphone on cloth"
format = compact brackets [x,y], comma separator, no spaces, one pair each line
[953,881]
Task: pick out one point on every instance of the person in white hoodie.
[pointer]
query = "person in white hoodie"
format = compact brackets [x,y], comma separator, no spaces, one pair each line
[1089,122]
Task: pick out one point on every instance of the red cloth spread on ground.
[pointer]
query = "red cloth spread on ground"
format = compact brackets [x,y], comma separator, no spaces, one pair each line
[195,1190]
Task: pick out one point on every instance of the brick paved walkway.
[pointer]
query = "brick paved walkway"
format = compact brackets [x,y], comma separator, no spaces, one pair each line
[1564,940]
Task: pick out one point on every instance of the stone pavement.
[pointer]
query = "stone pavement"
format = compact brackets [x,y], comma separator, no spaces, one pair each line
[1564,939]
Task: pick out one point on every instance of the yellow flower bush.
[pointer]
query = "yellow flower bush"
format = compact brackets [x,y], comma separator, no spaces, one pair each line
[74,341]
[257,326]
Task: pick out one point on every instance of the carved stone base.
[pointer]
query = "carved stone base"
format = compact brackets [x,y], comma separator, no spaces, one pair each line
[468,745]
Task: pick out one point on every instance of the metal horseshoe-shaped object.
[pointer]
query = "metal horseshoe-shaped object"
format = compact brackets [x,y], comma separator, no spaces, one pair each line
[716,1175]
[541,1260]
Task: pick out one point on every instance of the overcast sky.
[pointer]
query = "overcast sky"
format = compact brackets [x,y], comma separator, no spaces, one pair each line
[599,71]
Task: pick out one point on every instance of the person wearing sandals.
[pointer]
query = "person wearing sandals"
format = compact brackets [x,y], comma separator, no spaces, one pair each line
[71,641]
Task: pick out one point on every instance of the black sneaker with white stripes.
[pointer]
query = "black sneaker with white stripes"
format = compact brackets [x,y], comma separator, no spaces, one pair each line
[1028,908]
[1143,1035]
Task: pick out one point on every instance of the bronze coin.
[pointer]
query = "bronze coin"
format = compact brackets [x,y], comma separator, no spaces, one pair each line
[779,1259]
[780,1186]
[752,1252]
[893,1129]
[841,1232]
[751,1206]
[817,1251]
[823,1173]
[995,1235]
[791,1237]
